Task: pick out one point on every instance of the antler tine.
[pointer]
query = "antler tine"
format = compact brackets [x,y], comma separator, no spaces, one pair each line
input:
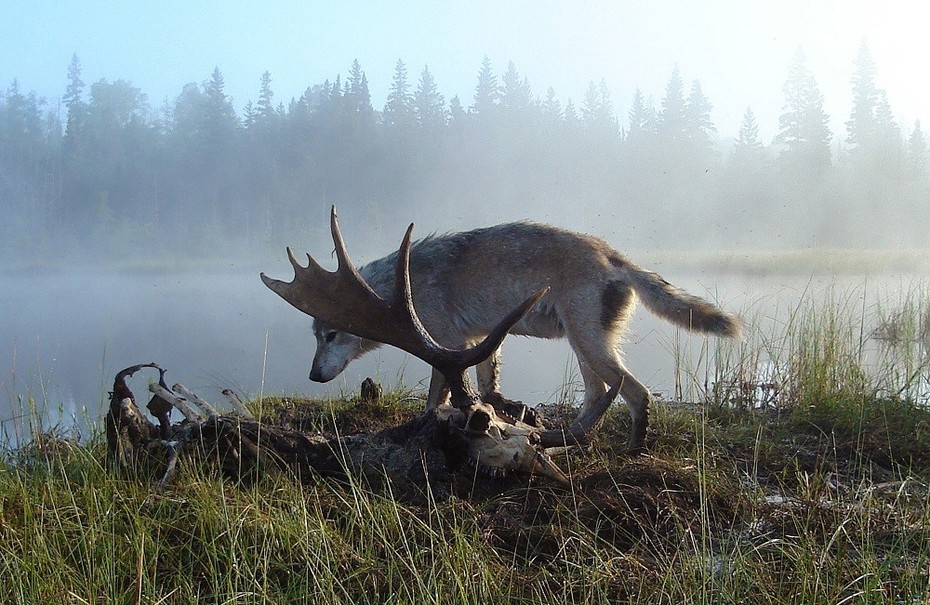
[403,302]
[312,265]
[344,263]
[432,352]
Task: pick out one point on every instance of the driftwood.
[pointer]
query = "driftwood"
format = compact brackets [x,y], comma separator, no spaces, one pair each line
[418,457]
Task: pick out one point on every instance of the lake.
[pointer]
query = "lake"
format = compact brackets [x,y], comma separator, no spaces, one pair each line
[65,334]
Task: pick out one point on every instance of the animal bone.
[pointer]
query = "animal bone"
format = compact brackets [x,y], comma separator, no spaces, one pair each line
[495,444]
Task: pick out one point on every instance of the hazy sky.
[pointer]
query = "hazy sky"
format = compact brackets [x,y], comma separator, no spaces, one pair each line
[739,49]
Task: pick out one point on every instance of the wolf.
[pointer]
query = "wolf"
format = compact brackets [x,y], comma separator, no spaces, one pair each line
[463,283]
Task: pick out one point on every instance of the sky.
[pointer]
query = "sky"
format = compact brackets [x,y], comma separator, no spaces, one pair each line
[738,49]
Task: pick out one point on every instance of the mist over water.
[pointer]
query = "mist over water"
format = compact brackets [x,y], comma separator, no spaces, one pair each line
[72,331]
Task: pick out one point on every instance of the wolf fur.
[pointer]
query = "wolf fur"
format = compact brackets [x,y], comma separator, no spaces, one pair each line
[463,283]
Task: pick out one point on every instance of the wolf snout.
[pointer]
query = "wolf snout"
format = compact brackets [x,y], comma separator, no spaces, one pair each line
[317,376]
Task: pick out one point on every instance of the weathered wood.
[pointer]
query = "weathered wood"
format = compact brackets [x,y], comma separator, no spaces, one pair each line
[237,404]
[191,414]
[415,456]
[190,396]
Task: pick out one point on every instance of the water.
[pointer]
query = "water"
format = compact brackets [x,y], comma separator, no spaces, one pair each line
[64,336]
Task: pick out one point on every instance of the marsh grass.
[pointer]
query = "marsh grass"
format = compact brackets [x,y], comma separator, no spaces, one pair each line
[818,494]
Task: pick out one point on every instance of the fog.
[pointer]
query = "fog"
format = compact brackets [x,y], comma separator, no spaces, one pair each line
[134,222]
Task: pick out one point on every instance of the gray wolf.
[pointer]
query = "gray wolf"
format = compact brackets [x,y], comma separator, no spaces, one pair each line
[464,283]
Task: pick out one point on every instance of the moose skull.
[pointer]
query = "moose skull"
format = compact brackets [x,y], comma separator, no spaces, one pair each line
[498,444]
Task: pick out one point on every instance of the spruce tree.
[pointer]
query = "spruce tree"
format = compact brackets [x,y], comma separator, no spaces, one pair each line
[698,124]
[456,112]
[358,94]
[804,128]
[860,128]
[73,96]
[398,111]
[551,108]
[487,92]
[515,94]
[429,104]
[672,120]
[265,99]
[917,153]
[748,151]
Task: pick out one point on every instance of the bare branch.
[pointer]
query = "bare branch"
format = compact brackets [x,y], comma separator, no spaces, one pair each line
[237,404]
[183,405]
[191,396]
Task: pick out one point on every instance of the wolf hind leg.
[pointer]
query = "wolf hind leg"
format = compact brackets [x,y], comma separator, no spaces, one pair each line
[600,363]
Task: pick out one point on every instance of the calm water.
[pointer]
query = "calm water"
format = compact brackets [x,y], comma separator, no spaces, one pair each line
[63,336]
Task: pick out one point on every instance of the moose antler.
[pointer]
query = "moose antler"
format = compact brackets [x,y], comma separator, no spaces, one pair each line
[343,299]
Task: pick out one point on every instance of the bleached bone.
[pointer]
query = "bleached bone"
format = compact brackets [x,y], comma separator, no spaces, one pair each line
[183,405]
[498,446]
[191,396]
[237,404]
[132,410]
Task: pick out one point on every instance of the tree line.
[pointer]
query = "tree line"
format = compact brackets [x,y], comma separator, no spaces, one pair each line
[105,172]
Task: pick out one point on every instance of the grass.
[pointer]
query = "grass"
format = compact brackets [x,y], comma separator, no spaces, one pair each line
[816,490]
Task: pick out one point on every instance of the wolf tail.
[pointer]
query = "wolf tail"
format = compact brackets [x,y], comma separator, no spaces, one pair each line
[677,306]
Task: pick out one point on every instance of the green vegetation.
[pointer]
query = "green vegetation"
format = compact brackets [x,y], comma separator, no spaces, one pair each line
[822,495]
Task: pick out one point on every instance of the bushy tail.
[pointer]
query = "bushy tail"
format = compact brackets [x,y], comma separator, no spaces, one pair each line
[679,307]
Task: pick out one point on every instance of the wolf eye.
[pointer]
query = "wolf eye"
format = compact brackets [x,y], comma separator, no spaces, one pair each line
[331,337]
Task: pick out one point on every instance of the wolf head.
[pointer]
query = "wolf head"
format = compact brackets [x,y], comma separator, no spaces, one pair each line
[334,350]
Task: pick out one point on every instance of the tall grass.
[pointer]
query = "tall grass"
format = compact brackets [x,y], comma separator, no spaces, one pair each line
[815,491]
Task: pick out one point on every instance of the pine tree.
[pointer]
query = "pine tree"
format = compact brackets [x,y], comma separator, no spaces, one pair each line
[358,94]
[398,111]
[597,113]
[487,92]
[804,128]
[861,125]
[73,96]
[590,106]
[917,153]
[456,111]
[266,97]
[698,124]
[571,116]
[515,94]
[637,118]
[363,97]
[748,150]
[748,138]
[249,116]
[220,119]
[551,108]
[887,133]
[428,103]
[672,120]
[606,112]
